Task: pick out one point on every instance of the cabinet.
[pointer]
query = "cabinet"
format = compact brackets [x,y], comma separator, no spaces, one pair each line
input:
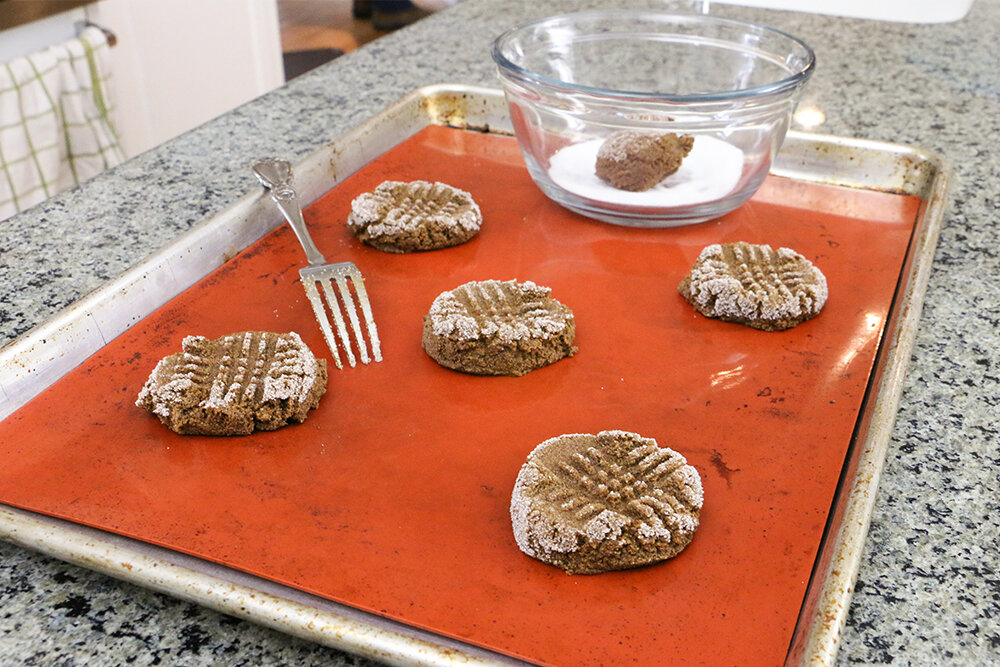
[176,64]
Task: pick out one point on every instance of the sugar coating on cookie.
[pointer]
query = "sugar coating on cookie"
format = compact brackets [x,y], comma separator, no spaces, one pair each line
[636,161]
[493,327]
[234,385]
[612,501]
[413,216]
[754,285]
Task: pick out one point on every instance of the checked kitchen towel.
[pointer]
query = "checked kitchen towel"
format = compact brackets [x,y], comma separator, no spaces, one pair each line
[55,126]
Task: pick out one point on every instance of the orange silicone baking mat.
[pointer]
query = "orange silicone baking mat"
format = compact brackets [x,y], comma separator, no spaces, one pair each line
[394,495]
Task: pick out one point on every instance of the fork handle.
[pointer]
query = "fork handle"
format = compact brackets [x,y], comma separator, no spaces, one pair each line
[286,199]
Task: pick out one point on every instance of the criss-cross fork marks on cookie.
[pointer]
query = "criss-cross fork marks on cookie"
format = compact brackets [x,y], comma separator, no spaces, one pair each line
[494,327]
[251,367]
[776,278]
[755,285]
[506,309]
[232,385]
[632,486]
[610,501]
[400,216]
[422,203]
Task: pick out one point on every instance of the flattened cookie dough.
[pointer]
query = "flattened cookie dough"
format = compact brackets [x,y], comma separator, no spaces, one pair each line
[253,380]
[412,216]
[611,501]
[493,327]
[754,285]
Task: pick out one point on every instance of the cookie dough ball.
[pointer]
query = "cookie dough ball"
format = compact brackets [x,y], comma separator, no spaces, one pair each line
[412,216]
[253,380]
[636,161]
[611,501]
[496,327]
[755,285]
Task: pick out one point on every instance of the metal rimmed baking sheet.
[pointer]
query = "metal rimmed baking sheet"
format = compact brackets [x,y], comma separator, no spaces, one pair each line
[917,178]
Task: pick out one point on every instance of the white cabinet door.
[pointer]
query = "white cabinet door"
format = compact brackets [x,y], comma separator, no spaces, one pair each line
[179,63]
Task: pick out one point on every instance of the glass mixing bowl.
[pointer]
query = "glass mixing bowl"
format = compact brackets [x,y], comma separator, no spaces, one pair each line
[573,81]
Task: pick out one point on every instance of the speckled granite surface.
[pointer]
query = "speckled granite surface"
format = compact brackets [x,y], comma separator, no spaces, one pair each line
[929,587]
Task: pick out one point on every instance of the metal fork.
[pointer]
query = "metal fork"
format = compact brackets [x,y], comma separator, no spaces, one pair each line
[276,176]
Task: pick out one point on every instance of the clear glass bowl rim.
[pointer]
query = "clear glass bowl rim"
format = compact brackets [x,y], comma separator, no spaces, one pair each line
[790,82]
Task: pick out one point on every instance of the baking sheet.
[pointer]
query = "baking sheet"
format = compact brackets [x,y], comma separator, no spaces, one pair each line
[298,479]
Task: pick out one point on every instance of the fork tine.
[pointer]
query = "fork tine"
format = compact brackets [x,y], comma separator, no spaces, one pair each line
[338,317]
[276,176]
[352,313]
[366,310]
[324,323]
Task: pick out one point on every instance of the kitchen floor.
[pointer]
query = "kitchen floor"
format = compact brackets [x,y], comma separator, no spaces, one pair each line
[316,31]
[322,24]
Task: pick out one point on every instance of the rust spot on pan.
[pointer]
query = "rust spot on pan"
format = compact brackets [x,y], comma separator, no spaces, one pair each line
[450,109]
[446,108]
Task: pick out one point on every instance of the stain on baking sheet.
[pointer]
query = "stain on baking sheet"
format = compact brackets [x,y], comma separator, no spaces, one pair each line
[725,472]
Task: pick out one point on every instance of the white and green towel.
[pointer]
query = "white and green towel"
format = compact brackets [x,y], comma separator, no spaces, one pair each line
[55,128]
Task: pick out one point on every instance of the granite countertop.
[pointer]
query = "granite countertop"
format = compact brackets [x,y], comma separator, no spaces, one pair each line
[929,587]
